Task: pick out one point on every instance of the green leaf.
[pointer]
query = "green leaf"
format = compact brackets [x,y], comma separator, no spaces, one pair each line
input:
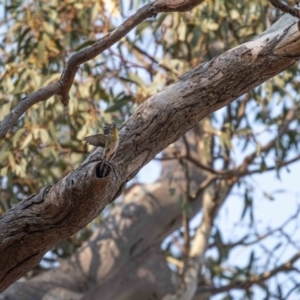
[17,136]
[263,166]
[26,141]
[187,208]
[119,104]
[181,200]
[172,192]
[4,155]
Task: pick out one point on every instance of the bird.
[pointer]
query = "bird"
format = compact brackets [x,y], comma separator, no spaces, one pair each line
[109,141]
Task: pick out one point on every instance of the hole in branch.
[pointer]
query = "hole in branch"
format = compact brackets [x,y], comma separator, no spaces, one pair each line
[103,169]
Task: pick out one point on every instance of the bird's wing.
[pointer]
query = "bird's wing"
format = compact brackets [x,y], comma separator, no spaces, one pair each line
[97,140]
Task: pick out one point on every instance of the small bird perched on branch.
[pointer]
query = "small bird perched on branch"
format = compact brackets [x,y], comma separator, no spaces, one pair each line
[109,141]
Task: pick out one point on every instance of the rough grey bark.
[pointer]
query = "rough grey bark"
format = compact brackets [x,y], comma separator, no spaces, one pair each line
[36,224]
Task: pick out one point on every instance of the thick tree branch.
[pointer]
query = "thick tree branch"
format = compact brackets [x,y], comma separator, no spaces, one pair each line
[36,224]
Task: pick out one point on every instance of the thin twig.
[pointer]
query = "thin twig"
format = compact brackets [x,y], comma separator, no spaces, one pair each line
[287,266]
[289,117]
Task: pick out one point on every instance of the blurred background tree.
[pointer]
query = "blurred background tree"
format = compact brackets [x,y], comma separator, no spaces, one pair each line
[230,151]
